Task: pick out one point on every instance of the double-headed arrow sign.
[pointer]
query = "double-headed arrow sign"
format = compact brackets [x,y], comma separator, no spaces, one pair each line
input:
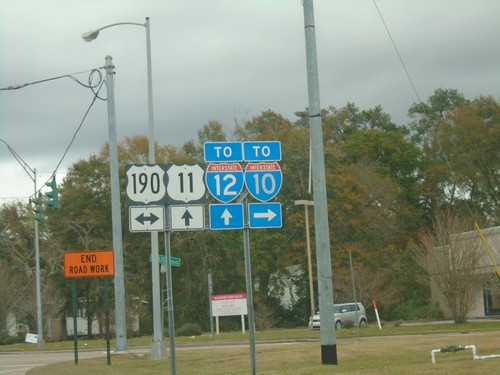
[152,218]
[146,218]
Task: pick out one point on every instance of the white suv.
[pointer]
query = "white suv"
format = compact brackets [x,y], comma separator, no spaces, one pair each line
[344,312]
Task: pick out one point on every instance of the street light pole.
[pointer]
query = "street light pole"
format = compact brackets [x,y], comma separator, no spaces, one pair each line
[306,204]
[40,342]
[158,349]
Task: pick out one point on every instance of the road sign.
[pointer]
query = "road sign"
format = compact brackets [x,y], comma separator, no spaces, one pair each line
[174,261]
[263,180]
[146,218]
[229,304]
[224,181]
[262,151]
[264,215]
[226,216]
[88,263]
[220,152]
[145,184]
[185,183]
[187,217]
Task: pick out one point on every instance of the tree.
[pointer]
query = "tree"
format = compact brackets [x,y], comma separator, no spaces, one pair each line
[471,137]
[450,264]
[426,114]
[17,264]
[459,140]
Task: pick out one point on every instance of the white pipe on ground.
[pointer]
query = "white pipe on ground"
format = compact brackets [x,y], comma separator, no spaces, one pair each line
[460,347]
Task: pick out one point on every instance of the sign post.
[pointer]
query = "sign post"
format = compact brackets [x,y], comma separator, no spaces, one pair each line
[229,305]
[225,181]
[146,184]
[80,264]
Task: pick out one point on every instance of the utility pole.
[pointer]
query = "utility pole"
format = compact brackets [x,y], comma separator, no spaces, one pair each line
[120,321]
[322,233]
[307,203]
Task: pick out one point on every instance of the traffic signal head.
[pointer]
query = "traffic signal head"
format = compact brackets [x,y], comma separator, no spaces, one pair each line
[38,208]
[53,195]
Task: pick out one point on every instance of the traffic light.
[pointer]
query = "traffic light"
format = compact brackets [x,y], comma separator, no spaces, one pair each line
[53,196]
[38,208]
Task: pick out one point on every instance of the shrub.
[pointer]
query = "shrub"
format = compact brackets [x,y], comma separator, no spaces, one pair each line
[189,329]
[411,310]
[5,339]
[348,324]
[263,317]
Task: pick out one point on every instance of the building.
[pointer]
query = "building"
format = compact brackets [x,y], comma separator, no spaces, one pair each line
[467,254]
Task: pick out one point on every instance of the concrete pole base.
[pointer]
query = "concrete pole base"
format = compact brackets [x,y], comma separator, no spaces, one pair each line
[158,350]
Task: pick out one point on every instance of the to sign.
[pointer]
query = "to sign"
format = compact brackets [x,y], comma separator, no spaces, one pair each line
[88,263]
[185,183]
[218,152]
[224,181]
[263,180]
[262,151]
[145,183]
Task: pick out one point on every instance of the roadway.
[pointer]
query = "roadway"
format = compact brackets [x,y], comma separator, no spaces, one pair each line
[18,363]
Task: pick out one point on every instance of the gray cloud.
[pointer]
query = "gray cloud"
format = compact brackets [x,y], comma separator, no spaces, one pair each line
[224,60]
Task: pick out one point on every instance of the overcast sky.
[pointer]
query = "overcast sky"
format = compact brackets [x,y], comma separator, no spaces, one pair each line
[225,60]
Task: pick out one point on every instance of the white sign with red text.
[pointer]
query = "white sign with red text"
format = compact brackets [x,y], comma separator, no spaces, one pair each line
[229,304]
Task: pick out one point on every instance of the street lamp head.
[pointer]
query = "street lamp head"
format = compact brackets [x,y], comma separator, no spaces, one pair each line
[90,35]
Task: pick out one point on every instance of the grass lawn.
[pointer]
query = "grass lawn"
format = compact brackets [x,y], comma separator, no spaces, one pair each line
[394,350]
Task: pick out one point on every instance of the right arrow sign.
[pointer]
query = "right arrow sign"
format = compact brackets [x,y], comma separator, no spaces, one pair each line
[264,215]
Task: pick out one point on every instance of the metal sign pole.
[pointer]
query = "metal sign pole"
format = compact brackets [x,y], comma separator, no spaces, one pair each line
[75,326]
[170,301]
[248,274]
[106,308]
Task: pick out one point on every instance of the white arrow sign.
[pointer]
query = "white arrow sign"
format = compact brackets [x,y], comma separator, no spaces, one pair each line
[269,215]
[264,215]
[226,215]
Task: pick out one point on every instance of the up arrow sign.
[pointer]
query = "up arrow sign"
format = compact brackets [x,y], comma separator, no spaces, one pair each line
[226,216]
[187,218]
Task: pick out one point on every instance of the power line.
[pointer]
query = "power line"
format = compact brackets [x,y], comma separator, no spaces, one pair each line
[397,52]
[436,138]
[92,86]
[70,76]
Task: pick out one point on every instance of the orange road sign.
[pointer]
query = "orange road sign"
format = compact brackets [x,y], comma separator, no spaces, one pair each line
[88,263]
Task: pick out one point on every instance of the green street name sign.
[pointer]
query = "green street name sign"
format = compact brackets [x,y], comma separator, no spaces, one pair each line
[174,261]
